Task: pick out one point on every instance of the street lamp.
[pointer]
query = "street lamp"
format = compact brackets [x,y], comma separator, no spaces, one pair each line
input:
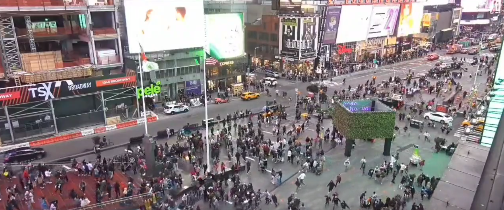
[206,113]
[255,55]
[140,69]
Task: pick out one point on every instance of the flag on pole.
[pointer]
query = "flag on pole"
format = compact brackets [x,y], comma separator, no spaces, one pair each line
[147,65]
[211,61]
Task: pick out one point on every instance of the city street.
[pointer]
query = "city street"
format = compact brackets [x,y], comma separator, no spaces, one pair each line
[353,182]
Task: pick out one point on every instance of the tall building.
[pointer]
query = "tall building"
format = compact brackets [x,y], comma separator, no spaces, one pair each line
[62,67]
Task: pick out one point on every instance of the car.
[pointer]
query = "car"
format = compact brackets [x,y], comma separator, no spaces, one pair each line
[175,108]
[273,74]
[249,96]
[475,121]
[24,154]
[432,57]
[473,51]
[270,81]
[438,117]
[221,101]
[464,51]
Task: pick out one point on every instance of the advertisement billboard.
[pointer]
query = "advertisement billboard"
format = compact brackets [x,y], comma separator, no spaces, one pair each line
[383,21]
[478,5]
[496,105]
[332,24]
[66,88]
[410,19]
[224,35]
[193,87]
[354,23]
[164,25]
[309,33]
[290,30]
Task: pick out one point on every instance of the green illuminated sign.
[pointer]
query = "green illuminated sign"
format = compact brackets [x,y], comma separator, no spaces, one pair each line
[151,91]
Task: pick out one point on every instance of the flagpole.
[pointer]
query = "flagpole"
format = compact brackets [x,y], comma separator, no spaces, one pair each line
[206,113]
[143,99]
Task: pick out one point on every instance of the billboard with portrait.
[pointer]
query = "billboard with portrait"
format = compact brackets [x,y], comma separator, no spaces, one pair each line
[410,20]
[354,23]
[332,24]
[383,21]
[224,35]
[164,25]
[309,33]
[290,31]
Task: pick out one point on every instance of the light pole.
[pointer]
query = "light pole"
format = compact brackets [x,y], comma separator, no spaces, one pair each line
[143,99]
[255,56]
[206,113]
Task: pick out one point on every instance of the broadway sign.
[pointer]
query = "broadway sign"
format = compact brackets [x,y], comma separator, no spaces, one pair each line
[65,88]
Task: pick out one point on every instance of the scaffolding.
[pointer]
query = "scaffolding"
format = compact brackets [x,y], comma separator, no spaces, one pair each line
[28,22]
[9,44]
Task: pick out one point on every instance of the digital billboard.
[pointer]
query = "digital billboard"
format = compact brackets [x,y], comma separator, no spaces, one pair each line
[159,25]
[383,21]
[309,34]
[354,23]
[224,35]
[332,24]
[290,36]
[65,88]
[496,105]
[478,5]
[410,19]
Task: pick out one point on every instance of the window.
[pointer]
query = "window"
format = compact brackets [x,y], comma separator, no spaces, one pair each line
[274,37]
[252,35]
[157,75]
[161,73]
[264,25]
[276,27]
[179,71]
[264,36]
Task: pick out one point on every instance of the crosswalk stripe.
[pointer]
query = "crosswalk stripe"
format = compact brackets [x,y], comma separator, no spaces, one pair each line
[472,138]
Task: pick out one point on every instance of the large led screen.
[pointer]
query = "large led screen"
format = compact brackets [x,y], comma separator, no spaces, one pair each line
[159,25]
[332,24]
[410,19]
[224,35]
[477,5]
[383,21]
[354,23]
[496,105]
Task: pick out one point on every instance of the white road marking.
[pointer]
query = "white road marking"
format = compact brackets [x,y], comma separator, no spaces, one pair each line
[252,159]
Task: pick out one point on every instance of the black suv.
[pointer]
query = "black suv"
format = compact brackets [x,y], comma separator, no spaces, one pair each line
[23,154]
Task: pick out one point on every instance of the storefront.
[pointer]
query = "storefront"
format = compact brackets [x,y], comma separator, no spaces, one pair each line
[390,46]
[371,48]
[344,52]
[273,64]
[223,74]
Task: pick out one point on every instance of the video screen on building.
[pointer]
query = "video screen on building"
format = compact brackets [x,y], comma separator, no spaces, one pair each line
[225,35]
[410,19]
[158,25]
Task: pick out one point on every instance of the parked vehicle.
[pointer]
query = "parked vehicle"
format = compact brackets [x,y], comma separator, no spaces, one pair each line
[438,117]
[176,108]
[24,154]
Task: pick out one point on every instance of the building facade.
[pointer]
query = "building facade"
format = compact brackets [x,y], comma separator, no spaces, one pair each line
[261,41]
[62,68]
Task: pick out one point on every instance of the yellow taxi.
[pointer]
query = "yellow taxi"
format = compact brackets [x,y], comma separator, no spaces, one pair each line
[475,121]
[249,96]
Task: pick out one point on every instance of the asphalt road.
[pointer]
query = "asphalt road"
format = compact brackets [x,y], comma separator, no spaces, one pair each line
[195,115]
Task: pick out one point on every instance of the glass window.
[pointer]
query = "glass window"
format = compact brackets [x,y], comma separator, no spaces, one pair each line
[274,37]
[252,35]
[166,73]
[171,72]
[179,71]
[157,75]
[162,73]
[264,36]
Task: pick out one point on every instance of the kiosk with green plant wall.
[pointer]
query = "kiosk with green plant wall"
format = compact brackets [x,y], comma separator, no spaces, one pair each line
[364,119]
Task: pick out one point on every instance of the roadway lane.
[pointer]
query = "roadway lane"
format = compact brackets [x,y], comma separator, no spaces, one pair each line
[195,115]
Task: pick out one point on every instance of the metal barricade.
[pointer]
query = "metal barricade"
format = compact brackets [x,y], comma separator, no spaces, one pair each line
[125,203]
